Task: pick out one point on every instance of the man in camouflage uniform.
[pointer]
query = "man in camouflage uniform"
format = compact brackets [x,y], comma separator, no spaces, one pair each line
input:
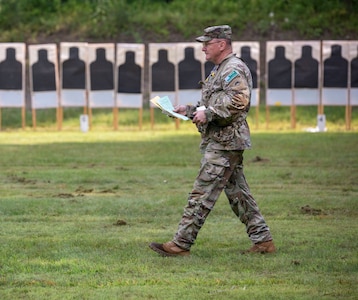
[220,117]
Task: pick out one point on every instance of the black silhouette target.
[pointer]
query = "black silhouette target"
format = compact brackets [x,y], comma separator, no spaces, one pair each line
[10,71]
[335,69]
[251,63]
[189,71]
[306,70]
[73,71]
[280,70]
[101,72]
[129,75]
[354,72]
[43,73]
[163,73]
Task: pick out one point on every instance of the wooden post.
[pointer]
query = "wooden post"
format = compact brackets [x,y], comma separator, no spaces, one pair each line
[293,106]
[59,114]
[115,118]
[257,116]
[267,116]
[293,116]
[34,118]
[348,117]
[152,117]
[23,117]
[90,117]
[320,105]
[140,118]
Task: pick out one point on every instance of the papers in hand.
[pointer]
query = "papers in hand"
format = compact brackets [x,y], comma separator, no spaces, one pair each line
[167,107]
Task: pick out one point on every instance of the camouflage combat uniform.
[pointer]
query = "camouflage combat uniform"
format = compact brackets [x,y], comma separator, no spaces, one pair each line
[226,96]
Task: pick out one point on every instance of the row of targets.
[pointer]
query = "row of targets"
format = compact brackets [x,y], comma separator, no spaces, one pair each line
[112,75]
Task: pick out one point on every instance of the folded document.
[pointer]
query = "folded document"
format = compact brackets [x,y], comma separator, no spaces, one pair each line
[167,107]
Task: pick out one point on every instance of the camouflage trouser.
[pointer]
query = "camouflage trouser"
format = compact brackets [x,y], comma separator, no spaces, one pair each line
[215,167]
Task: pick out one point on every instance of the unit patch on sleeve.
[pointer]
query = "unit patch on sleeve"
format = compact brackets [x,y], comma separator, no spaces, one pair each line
[231,76]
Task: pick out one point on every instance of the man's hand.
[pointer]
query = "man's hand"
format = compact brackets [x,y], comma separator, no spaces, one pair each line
[180,109]
[199,117]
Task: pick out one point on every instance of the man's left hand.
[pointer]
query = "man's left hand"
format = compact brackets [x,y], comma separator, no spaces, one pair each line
[200,117]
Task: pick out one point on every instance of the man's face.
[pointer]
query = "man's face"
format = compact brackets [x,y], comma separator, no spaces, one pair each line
[212,49]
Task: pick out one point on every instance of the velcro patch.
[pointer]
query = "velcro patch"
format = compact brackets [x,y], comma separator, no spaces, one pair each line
[231,76]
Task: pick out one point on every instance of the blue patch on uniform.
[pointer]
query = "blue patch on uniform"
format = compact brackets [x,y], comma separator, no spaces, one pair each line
[231,76]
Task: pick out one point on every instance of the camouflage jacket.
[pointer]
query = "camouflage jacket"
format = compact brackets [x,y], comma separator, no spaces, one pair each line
[226,96]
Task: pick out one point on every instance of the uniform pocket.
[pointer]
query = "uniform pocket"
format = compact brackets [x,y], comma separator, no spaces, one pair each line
[223,135]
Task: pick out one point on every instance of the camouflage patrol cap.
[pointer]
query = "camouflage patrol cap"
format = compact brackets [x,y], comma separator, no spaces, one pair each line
[215,32]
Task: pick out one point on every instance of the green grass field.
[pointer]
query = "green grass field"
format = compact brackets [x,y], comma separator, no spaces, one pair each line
[277,119]
[78,211]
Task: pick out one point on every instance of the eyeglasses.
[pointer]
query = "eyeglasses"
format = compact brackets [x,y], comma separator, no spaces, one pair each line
[205,44]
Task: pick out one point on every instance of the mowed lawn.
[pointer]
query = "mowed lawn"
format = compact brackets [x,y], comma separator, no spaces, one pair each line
[78,211]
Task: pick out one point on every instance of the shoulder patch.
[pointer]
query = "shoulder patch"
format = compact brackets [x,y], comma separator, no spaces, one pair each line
[231,76]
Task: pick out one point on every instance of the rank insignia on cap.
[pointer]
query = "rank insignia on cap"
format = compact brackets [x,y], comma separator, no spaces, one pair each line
[231,76]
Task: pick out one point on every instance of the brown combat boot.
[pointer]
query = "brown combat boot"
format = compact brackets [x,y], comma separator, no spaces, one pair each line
[169,249]
[264,247]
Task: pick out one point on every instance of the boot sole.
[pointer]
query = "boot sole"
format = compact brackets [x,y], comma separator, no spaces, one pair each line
[159,249]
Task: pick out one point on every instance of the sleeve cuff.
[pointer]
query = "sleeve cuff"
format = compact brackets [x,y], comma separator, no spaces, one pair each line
[209,115]
[189,111]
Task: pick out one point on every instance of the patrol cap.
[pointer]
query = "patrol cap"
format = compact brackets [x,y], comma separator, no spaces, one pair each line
[215,32]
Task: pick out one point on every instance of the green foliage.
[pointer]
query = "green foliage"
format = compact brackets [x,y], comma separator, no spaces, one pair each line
[109,17]
[145,20]
[38,15]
